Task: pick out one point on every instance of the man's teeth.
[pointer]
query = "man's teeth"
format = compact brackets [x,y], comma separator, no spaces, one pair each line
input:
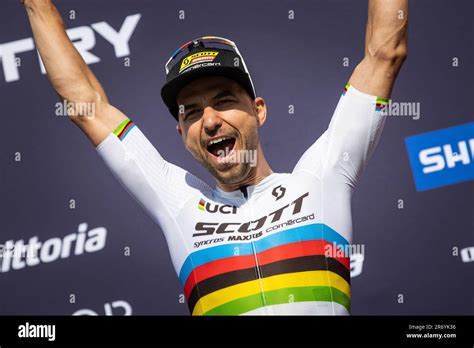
[218,140]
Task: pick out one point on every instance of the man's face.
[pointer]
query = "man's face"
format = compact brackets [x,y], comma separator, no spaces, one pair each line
[218,120]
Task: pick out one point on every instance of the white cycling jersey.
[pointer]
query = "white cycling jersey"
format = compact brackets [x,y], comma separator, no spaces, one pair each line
[277,247]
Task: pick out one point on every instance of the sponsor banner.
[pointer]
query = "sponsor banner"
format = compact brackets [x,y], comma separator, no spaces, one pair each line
[15,255]
[442,157]
[84,39]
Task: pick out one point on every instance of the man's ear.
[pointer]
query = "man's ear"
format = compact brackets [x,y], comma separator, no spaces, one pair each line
[178,128]
[261,108]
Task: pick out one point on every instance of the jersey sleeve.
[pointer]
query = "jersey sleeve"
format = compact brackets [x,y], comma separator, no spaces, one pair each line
[159,187]
[342,151]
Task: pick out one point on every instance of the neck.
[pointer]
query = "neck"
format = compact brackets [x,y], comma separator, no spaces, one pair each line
[257,174]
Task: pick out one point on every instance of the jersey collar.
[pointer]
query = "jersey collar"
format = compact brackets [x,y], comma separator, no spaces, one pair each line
[251,189]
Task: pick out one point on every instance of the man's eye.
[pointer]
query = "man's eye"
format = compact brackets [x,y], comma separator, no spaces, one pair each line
[224,101]
[191,113]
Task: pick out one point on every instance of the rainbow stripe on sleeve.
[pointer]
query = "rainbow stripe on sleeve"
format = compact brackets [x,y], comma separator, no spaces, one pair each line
[346,88]
[381,103]
[303,264]
[124,128]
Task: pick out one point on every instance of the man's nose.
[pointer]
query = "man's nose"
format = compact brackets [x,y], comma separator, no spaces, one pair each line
[211,120]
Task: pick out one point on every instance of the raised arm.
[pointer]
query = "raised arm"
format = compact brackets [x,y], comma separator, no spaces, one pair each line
[385,47]
[342,152]
[69,74]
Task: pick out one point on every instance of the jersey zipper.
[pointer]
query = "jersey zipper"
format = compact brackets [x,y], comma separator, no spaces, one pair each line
[257,266]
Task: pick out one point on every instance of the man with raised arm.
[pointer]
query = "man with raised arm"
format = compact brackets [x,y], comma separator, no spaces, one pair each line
[259,242]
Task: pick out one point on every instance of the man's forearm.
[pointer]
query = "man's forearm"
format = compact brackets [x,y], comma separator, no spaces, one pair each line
[387,24]
[69,74]
[385,47]
[67,71]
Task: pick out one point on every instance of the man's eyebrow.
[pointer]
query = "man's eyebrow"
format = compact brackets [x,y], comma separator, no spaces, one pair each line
[223,94]
[190,106]
[226,93]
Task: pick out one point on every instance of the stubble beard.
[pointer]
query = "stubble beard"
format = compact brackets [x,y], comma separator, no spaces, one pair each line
[233,173]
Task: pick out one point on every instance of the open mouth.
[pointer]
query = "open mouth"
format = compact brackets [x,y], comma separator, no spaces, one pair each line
[221,147]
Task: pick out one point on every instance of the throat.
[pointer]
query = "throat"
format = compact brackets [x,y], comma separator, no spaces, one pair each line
[252,179]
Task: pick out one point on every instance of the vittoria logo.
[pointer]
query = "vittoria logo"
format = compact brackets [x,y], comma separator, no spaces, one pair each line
[216,208]
[15,255]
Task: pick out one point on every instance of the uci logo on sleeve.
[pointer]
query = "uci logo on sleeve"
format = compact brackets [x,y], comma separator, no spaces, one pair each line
[442,157]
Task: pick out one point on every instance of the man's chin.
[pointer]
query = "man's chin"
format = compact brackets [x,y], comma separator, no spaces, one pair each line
[229,173]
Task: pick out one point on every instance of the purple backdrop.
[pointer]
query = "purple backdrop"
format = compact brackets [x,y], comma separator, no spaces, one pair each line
[46,162]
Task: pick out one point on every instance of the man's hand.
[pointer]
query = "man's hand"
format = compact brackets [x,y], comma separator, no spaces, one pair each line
[69,74]
[385,47]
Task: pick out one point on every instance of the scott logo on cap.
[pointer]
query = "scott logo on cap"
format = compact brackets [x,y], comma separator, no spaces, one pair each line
[200,57]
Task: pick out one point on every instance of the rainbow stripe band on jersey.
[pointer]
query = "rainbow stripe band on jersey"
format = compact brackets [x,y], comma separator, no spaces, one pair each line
[123,128]
[309,259]
[381,103]
[281,296]
[303,286]
[288,257]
